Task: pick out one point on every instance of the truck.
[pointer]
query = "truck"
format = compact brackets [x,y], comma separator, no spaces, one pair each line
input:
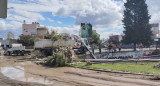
[81,45]
[18,49]
[47,45]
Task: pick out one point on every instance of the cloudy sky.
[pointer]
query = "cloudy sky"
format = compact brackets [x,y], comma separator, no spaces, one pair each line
[66,15]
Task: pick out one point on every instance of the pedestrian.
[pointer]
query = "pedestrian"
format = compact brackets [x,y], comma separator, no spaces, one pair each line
[114,48]
[99,48]
[93,48]
[109,47]
[119,47]
[141,46]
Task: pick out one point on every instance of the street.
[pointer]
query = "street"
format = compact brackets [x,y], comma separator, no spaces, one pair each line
[14,71]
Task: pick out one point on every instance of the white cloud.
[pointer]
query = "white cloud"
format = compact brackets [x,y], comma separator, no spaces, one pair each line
[59,22]
[12,25]
[32,15]
[3,25]
[107,34]
[154,10]
[102,14]
[51,20]
[74,30]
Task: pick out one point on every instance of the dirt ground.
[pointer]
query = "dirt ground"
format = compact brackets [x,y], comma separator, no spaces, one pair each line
[16,72]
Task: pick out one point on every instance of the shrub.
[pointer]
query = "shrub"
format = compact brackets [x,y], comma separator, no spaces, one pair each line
[57,60]
[61,56]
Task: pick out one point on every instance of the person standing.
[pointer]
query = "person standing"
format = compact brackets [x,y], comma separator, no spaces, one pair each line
[110,46]
[99,48]
[93,48]
[119,47]
[114,48]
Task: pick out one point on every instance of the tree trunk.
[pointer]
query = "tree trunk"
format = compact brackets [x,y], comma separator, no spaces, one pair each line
[134,46]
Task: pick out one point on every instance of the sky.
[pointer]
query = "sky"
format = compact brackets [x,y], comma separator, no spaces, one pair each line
[65,16]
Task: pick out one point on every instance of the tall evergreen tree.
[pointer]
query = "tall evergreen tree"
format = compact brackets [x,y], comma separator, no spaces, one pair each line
[136,23]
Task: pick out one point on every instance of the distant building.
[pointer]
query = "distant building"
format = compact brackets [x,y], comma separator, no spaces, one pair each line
[34,29]
[115,39]
[155,30]
[10,35]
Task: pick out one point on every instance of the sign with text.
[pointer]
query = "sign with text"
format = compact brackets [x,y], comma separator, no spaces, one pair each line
[86,30]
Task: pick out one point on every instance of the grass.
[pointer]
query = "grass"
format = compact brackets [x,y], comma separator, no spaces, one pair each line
[140,67]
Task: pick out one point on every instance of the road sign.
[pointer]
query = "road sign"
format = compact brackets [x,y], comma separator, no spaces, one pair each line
[86,30]
[3,8]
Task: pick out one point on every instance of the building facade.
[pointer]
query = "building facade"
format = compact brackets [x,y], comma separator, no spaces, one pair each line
[116,39]
[155,30]
[10,35]
[34,29]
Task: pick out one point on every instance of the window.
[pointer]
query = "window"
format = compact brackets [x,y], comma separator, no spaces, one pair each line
[26,30]
[33,32]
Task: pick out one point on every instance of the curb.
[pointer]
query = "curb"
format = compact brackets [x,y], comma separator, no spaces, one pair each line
[120,72]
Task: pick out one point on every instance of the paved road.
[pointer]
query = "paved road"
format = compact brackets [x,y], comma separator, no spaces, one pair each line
[27,73]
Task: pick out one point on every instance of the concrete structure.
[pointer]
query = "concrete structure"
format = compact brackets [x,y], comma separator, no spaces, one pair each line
[155,30]
[34,29]
[10,35]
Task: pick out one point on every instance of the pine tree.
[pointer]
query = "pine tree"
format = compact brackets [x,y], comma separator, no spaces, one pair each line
[136,23]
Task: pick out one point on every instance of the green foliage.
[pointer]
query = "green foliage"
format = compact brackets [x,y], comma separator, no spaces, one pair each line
[54,38]
[136,23]
[59,58]
[38,54]
[140,67]
[95,38]
[28,40]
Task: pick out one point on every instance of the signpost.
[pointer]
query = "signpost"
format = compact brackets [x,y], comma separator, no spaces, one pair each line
[86,30]
[3,8]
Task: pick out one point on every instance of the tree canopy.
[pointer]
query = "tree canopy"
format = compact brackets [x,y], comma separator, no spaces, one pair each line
[136,23]
[95,38]
[28,40]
